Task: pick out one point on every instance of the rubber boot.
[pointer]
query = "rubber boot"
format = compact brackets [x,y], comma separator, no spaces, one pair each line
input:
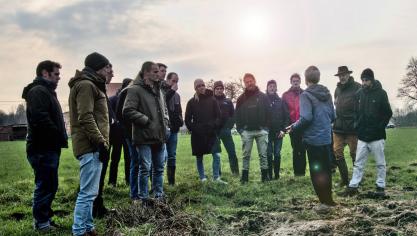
[245,176]
[265,175]
[343,170]
[171,175]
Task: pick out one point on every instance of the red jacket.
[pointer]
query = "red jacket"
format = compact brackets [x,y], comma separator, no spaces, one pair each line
[292,98]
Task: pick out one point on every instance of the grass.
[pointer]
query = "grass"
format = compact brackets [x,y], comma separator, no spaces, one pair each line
[255,208]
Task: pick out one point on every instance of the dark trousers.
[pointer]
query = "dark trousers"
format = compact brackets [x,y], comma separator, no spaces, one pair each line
[98,202]
[116,152]
[319,159]
[298,154]
[225,136]
[45,167]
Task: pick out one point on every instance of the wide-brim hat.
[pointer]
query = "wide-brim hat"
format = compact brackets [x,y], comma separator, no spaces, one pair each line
[343,70]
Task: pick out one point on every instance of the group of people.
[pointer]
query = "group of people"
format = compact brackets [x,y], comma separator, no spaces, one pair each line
[145,116]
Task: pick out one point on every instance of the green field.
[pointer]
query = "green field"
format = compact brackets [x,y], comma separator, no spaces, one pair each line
[278,207]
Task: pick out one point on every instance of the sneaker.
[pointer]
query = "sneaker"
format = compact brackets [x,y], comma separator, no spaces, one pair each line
[203,179]
[349,192]
[322,209]
[46,229]
[219,181]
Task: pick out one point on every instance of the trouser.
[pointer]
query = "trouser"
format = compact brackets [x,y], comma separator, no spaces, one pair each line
[298,154]
[45,167]
[115,158]
[215,166]
[134,170]
[90,169]
[261,138]
[274,155]
[99,201]
[363,150]
[339,143]
[171,149]
[319,160]
[154,155]
[225,136]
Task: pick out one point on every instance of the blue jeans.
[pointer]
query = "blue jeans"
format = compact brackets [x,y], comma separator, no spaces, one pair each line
[225,136]
[215,166]
[134,170]
[152,158]
[90,170]
[172,149]
[273,153]
[45,166]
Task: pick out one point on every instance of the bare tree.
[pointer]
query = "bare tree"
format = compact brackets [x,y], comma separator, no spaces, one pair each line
[233,89]
[408,89]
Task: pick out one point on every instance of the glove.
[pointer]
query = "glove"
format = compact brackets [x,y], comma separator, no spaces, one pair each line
[103,152]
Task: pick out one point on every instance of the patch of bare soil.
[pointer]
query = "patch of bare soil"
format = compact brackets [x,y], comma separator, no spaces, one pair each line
[163,217]
[379,218]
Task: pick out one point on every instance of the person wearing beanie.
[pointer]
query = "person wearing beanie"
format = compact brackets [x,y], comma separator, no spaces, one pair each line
[46,135]
[292,98]
[227,122]
[202,118]
[315,124]
[146,109]
[373,116]
[90,125]
[344,132]
[280,119]
[252,122]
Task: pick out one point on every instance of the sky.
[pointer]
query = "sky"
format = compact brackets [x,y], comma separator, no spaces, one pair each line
[215,39]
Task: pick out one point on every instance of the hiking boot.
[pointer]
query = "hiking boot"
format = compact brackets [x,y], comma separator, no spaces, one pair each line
[380,192]
[245,176]
[349,192]
[322,209]
[220,181]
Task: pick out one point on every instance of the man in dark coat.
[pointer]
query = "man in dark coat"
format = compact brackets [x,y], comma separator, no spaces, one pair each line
[292,99]
[227,121]
[202,118]
[117,140]
[46,136]
[280,119]
[344,132]
[175,123]
[252,122]
[145,108]
[373,116]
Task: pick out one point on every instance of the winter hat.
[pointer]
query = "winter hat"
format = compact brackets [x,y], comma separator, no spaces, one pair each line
[272,81]
[343,70]
[218,84]
[367,74]
[96,61]
[198,82]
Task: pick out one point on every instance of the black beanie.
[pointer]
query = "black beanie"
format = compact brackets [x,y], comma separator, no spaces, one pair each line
[367,74]
[218,84]
[272,81]
[96,61]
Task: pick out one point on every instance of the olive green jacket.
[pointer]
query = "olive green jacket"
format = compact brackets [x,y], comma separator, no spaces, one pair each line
[89,114]
[145,107]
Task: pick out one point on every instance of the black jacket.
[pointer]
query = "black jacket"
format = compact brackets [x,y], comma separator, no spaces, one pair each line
[346,101]
[374,113]
[280,116]
[46,127]
[174,112]
[227,112]
[202,118]
[252,111]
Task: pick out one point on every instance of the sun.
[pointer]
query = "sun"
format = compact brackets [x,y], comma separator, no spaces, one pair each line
[255,27]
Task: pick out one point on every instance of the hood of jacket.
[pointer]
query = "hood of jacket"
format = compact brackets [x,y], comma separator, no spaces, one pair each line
[320,92]
[38,81]
[88,74]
